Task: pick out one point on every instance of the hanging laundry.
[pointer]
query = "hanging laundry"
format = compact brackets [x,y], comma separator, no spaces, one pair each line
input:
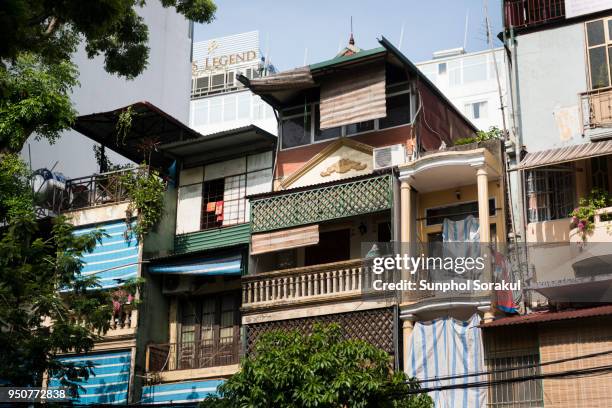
[461,239]
[219,208]
[220,218]
[211,206]
[505,298]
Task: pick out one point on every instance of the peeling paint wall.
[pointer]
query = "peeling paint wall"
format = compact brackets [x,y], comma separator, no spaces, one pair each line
[552,71]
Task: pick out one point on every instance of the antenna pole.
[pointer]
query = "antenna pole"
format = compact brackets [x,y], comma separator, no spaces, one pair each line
[401,39]
[465,33]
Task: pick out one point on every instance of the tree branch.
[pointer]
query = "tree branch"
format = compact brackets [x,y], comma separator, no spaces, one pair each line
[52,26]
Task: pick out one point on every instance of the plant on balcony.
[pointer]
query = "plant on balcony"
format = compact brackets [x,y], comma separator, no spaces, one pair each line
[145,190]
[481,136]
[124,299]
[583,216]
[321,369]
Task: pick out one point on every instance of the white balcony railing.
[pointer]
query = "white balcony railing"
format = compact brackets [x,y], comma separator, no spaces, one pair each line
[338,280]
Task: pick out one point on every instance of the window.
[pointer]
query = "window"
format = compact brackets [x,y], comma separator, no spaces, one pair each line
[599,52]
[229,108]
[513,352]
[333,246]
[551,192]
[209,333]
[442,68]
[599,173]
[360,127]
[224,201]
[477,110]
[455,212]
[475,69]
[300,125]
[398,111]
[324,134]
[515,394]
[296,130]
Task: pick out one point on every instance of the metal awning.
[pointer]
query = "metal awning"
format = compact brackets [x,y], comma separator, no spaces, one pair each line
[565,154]
[149,125]
[227,265]
[221,145]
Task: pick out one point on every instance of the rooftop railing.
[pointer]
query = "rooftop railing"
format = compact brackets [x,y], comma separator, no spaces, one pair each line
[531,13]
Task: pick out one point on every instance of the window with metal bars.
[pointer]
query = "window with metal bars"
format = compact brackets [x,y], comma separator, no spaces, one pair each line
[521,394]
[551,192]
[209,333]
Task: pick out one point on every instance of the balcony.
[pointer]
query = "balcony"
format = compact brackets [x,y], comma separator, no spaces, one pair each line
[90,191]
[192,355]
[596,108]
[336,281]
[332,201]
[532,13]
[123,323]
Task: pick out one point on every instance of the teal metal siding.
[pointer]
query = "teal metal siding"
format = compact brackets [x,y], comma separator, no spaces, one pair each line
[114,260]
[212,239]
[110,381]
[181,392]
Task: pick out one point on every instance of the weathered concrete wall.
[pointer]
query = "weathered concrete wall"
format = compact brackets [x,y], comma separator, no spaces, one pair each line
[552,71]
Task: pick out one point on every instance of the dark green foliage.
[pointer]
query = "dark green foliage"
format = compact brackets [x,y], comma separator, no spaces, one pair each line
[34,265]
[34,98]
[38,40]
[291,369]
[111,28]
[481,136]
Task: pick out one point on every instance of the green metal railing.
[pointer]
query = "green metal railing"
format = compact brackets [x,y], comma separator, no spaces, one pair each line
[321,204]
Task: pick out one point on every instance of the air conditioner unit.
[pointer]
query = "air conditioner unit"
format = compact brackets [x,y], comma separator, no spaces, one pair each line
[176,284]
[389,156]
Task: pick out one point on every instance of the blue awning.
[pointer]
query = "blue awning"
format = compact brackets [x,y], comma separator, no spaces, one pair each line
[226,265]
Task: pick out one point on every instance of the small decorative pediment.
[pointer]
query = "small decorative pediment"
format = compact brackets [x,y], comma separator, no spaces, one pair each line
[342,166]
[344,158]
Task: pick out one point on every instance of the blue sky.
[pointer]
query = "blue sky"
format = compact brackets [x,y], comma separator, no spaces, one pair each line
[288,27]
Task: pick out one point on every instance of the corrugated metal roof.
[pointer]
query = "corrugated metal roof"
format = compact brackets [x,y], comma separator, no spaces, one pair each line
[542,317]
[565,154]
[299,78]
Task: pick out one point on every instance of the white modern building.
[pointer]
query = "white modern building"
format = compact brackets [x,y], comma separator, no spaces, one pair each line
[165,83]
[469,80]
[218,100]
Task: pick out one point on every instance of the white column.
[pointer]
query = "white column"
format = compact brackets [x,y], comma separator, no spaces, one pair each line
[483,204]
[407,327]
[406,210]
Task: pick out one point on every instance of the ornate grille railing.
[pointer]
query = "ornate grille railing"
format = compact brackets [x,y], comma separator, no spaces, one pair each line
[321,204]
[190,355]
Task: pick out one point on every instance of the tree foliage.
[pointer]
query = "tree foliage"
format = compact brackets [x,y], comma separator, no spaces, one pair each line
[37,322]
[38,40]
[112,28]
[34,98]
[321,369]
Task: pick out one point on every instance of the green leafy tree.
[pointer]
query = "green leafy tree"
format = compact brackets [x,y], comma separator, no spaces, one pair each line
[38,40]
[37,321]
[112,28]
[322,369]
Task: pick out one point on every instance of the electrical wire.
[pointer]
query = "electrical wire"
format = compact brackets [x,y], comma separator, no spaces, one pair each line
[593,371]
[526,366]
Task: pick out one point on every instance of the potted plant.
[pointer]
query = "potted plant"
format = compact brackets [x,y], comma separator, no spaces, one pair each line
[583,216]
